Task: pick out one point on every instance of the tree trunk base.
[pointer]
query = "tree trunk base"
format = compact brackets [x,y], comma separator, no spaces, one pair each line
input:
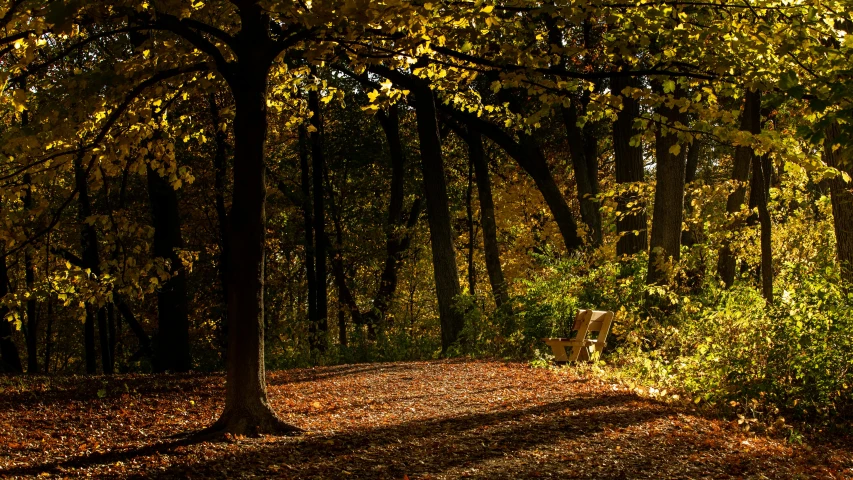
[253,423]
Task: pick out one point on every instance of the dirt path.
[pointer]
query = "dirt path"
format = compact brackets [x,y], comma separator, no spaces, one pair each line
[423,420]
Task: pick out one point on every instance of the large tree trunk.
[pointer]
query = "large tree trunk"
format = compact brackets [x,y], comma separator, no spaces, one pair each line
[220,181]
[750,122]
[247,410]
[631,221]
[842,203]
[10,360]
[583,150]
[665,244]
[29,275]
[438,210]
[318,164]
[89,244]
[487,216]
[173,342]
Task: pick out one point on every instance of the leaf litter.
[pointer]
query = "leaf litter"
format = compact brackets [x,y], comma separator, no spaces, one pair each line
[416,420]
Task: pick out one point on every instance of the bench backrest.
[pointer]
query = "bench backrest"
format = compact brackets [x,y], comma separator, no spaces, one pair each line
[593,322]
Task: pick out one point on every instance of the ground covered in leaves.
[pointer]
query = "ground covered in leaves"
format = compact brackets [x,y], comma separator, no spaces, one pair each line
[420,420]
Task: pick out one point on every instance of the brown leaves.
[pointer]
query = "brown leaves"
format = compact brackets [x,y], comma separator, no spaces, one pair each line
[418,420]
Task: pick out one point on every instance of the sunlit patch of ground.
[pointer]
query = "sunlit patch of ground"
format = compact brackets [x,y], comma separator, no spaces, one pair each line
[424,420]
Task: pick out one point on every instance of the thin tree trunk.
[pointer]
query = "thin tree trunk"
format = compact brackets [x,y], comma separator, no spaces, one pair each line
[310,271]
[48,337]
[750,122]
[534,163]
[89,244]
[583,152]
[318,161]
[842,203]
[104,338]
[528,155]
[487,216]
[469,217]
[29,275]
[142,338]
[173,345]
[689,237]
[220,181]
[10,360]
[631,221]
[113,332]
[342,326]
[48,334]
[761,169]
[397,238]
[438,211]
[396,232]
[665,244]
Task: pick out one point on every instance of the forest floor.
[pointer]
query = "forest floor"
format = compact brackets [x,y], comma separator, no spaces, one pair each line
[417,420]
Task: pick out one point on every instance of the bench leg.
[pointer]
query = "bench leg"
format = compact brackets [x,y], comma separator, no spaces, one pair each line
[578,353]
[559,352]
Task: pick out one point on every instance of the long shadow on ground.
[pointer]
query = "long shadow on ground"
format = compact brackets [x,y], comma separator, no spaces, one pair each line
[428,421]
[438,444]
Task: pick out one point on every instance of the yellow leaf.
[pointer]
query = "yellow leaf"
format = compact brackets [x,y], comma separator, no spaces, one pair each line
[675,149]
[488,9]
[19,99]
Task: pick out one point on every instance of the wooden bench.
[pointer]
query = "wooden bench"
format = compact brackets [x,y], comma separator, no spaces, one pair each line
[592,327]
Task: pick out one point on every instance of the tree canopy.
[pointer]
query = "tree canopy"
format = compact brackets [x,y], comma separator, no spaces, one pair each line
[198,184]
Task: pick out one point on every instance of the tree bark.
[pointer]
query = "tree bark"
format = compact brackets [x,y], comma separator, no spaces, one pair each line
[310,271]
[842,203]
[761,168]
[472,235]
[474,139]
[113,332]
[438,210]
[247,410]
[104,340]
[689,237]
[29,275]
[90,259]
[631,220]
[10,360]
[318,161]
[173,342]
[665,244]
[750,122]
[220,182]
[584,154]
